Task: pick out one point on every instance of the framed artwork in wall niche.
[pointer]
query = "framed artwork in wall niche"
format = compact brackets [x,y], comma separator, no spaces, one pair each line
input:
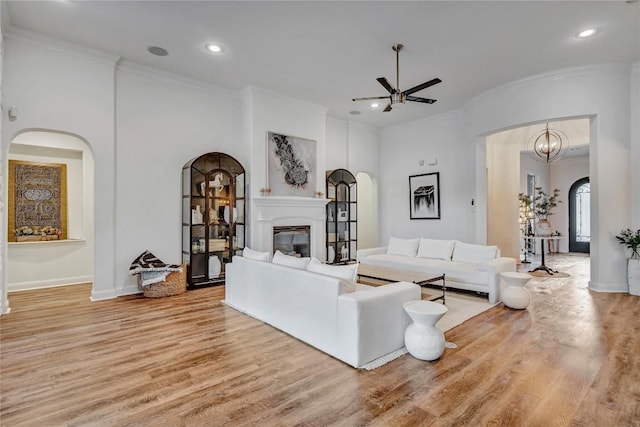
[291,165]
[37,201]
[424,196]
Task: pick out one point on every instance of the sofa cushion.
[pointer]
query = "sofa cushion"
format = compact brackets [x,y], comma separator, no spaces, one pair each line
[461,272]
[258,256]
[347,273]
[407,247]
[466,252]
[290,261]
[436,249]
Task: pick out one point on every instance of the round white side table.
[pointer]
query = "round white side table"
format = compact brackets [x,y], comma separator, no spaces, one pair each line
[515,295]
[423,340]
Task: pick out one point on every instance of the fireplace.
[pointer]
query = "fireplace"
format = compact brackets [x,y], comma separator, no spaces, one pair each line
[294,240]
[277,211]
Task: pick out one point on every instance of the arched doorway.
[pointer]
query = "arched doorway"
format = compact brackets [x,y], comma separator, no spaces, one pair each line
[580,216]
[70,260]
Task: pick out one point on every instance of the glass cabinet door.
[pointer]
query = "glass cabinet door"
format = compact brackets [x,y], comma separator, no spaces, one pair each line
[341,219]
[213,203]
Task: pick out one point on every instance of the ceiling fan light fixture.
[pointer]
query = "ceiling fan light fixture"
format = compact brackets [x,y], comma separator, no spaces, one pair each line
[586,33]
[214,48]
[397,96]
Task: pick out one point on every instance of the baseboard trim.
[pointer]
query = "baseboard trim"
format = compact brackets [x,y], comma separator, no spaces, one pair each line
[129,290]
[612,288]
[53,283]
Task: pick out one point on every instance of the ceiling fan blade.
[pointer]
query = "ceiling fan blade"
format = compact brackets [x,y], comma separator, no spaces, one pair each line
[384,82]
[418,99]
[387,108]
[370,98]
[422,86]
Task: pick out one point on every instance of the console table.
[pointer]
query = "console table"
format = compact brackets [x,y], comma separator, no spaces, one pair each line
[542,266]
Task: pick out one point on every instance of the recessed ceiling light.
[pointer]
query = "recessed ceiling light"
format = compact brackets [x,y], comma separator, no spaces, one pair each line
[374,105]
[354,112]
[213,48]
[586,33]
[158,51]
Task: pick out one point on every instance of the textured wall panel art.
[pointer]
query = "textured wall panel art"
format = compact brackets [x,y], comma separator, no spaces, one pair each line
[291,165]
[37,201]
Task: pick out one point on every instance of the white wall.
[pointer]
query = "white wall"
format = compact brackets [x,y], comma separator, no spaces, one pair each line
[161,125]
[443,138]
[337,135]
[67,88]
[162,122]
[355,147]
[601,92]
[503,186]
[635,147]
[41,264]
[268,111]
[4,303]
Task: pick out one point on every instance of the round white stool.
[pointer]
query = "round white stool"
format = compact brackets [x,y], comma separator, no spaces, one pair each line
[515,295]
[423,340]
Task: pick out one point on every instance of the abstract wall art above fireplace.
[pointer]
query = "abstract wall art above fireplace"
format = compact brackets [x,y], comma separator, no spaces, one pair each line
[37,201]
[291,165]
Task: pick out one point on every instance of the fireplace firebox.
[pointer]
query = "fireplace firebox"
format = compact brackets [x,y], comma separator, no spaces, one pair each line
[292,240]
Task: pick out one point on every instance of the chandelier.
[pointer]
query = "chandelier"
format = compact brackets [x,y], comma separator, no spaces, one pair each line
[549,144]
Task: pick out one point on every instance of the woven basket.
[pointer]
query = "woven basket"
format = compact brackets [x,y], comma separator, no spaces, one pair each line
[174,284]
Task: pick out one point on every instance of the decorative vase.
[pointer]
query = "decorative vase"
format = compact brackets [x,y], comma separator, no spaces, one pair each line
[196,215]
[226,214]
[331,254]
[215,267]
[543,227]
[633,275]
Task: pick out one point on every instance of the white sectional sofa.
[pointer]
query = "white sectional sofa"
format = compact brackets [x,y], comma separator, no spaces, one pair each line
[354,324]
[466,266]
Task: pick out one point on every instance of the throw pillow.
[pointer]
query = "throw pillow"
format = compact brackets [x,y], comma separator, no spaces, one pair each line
[408,247]
[258,256]
[466,252]
[290,261]
[436,249]
[347,272]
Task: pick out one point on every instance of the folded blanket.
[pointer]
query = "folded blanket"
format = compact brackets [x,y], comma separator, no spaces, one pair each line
[151,269]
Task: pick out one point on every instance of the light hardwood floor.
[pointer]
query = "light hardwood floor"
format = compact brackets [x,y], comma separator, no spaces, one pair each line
[571,358]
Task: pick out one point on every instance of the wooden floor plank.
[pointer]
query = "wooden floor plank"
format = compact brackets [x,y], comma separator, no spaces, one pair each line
[571,358]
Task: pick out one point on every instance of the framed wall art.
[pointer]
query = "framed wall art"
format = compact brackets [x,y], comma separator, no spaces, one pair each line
[424,196]
[37,201]
[291,165]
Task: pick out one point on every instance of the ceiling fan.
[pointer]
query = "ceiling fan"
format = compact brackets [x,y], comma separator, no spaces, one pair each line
[395,95]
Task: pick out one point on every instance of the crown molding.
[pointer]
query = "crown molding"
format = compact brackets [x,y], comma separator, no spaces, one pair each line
[561,74]
[167,77]
[62,46]
[248,90]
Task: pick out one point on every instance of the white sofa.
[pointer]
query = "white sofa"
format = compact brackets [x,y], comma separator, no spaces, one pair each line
[466,266]
[355,327]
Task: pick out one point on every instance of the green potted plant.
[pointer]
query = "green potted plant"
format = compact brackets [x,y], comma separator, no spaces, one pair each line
[631,240]
[543,205]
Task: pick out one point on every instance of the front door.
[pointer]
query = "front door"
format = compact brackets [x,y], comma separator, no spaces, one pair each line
[580,216]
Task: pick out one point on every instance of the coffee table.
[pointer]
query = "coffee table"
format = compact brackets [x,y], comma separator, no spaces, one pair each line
[376,275]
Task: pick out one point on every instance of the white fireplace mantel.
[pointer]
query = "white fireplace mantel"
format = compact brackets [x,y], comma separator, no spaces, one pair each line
[273,211]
